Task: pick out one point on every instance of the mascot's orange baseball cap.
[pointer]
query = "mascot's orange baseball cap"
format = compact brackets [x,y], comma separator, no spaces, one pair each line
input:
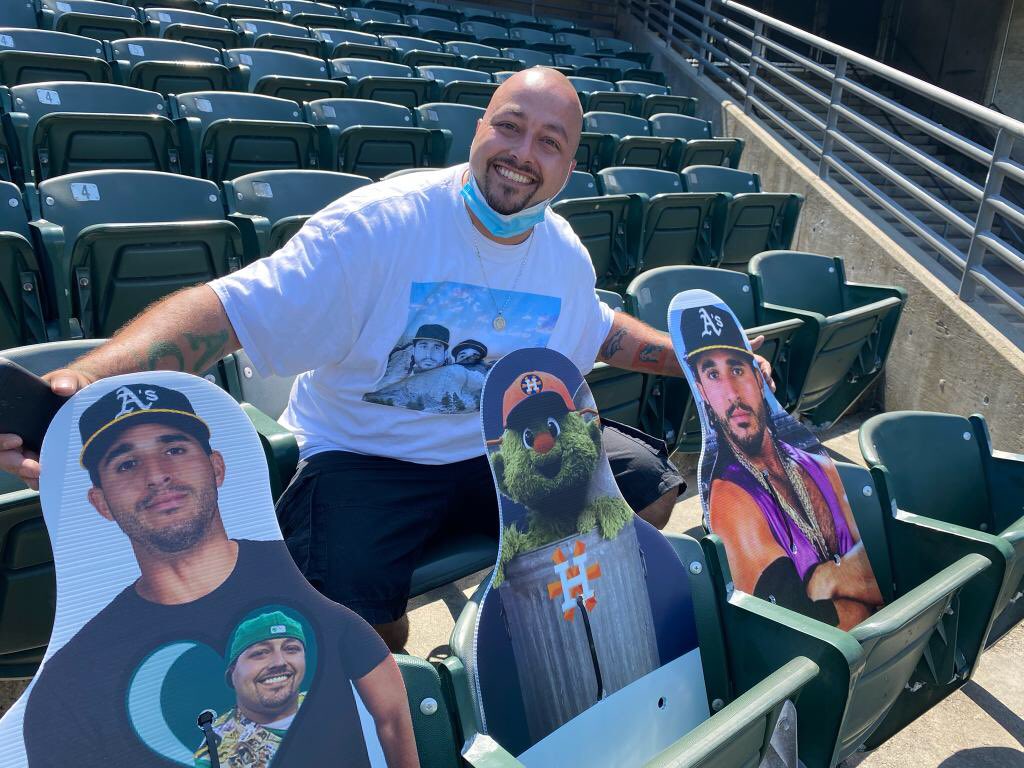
[534,395]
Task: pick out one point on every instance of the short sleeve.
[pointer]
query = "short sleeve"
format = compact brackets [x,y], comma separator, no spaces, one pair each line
[293,311]
[362,649]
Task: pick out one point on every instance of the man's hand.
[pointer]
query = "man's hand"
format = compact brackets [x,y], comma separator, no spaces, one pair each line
[20,461]
[762,363]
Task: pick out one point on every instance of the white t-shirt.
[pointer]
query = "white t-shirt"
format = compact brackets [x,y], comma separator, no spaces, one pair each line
[382,306]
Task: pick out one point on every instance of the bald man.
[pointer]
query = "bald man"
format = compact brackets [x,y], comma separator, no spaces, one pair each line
[391,452]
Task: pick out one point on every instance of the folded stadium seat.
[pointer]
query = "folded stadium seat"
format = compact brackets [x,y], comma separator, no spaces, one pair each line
[114,244]
[875,677]
[847,332]
[659,99]
[271,206]
[740,697]
[669,411]
[516,19]
[382,81]
[348,44]
[276,35]
[416,51]
[947,485]
[634,143]
[609,226]
[248,9]
[372,138]
[449,556]
[22,303]
[440,10]
[757,221]
[458,121]
[283,74]
[483,33]
[557,24]
[9,166]
[583,66]
[379,22]
[305,13]
[536,40]
[167,66]
[484,58]
[580,44]
[631,71]
[38,56]
[679,227]
[458,85]
[404,171]
[617,392]
[190,27]
[401,7]
[700,147]
[63,127]
[231,134]
[21,15]
[479,13]
[528,58]
[600,96]
[90,18]
[612,46]
[437,29]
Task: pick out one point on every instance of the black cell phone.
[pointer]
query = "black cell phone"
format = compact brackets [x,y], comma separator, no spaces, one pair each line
[27,404]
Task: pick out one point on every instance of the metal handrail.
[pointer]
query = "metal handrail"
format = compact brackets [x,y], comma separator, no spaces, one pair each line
[751,55]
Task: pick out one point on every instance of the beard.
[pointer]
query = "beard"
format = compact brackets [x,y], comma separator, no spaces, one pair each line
[749,440]
[179,536]
[503,198]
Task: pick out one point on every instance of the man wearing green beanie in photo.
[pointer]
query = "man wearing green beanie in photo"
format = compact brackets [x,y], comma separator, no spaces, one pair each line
[266,666]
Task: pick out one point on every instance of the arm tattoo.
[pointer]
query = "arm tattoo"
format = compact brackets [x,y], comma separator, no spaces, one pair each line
[159,350]
[650,355]
[614,344]
[213,343]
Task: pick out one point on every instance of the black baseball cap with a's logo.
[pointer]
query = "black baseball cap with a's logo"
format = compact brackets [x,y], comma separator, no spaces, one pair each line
[130,405]
[711,327]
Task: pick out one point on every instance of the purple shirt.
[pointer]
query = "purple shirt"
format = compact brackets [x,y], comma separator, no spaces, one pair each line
[788,535]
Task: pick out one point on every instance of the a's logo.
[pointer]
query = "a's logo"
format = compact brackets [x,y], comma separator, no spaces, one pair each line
[130,402]
[712,323]
[531,384]
[574,577]
[278,629]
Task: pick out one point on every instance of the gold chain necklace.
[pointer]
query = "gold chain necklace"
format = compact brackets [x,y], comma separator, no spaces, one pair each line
[499,322]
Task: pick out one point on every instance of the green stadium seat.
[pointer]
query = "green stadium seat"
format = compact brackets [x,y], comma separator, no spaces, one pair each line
[658,99]
[458,121]
[526,20]
[612,45]
[557,24]
[283,74]
[847,332]
[167,66]
[38,56]
[458,85]
[700,148]
[580,44]
[372,138]
[348,44]
[63,127]
[432,718]
[631,71]
[380,22]
[601,96]
[26,562]
[440,10]
[484,33]
[231,134]
[537,40]
[609,226]
[382,81]
[22,305]
[617,392]
[757,221]
[437,29]
[243,9]
[669,411]
[527,57]
[484,58]
[271,206]
[634,143]
[874,678]
[190,27]
[401,7]
[945,483]
[114,244]
[583,66]
[417,51]
[305,13]
[21,15]
[679,228]
[744,695]
[8,155]
[276,35]
[90,18]
[480,13]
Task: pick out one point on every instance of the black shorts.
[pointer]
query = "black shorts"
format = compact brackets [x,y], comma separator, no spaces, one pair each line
[356,524]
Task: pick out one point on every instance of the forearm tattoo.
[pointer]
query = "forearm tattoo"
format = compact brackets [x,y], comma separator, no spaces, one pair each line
[614,344]
[212,343]
[650,355]
[161,350]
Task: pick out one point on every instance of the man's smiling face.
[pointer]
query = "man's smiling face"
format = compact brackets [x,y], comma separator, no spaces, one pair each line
[266,678]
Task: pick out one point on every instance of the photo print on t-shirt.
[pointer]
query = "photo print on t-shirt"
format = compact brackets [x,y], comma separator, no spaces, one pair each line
[452,338]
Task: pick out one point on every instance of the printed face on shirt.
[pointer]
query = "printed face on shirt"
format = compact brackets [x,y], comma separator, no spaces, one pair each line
[160,486]
[468,357]
[266,678]
[733,391]
[427,355]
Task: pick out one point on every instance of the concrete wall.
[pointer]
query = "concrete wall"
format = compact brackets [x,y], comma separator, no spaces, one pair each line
[946,357]
[1008,68]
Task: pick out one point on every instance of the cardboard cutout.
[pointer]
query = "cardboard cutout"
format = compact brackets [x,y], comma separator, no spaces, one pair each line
[176,595]
[588,616]
[767,486]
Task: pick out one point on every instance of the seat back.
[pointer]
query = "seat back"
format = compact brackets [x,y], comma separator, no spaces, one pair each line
[38,56]
[712,178]
[405,43]
[531,37]
[649,181]
[168,66]
[443,75]
[587,85]
[758,222]
[680,127]
[285,74]
[581,44]
[434,26]
[459,119]
[22,304]
[802,280]
[382,81]
[91,18]
[580,184]
[572,60]
[609,227]
[493,34]
[252,29]
[643,88]
[466,50]
[191,27]
[528,57]
[613,45]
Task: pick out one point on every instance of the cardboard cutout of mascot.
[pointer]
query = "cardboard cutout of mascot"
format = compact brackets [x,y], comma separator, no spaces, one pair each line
[184,634]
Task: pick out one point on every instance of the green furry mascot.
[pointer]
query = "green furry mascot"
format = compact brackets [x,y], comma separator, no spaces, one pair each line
[547,456]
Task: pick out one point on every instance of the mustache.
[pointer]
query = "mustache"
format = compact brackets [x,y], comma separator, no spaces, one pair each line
[148,499]
[281,669]
[738,407]
[526,169]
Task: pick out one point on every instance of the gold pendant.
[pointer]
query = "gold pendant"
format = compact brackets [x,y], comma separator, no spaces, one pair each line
[499,323]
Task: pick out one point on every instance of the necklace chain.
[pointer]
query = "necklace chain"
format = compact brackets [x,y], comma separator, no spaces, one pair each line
[499,318]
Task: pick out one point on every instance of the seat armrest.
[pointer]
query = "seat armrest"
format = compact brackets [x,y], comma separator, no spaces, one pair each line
[279,446]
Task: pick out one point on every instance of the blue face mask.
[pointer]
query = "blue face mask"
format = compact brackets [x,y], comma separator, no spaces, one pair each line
[503,224]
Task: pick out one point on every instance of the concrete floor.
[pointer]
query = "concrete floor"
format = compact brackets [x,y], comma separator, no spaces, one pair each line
[979,726]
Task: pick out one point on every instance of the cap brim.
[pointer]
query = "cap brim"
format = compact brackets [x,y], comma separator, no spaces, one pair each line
[711,347]
[100,440]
